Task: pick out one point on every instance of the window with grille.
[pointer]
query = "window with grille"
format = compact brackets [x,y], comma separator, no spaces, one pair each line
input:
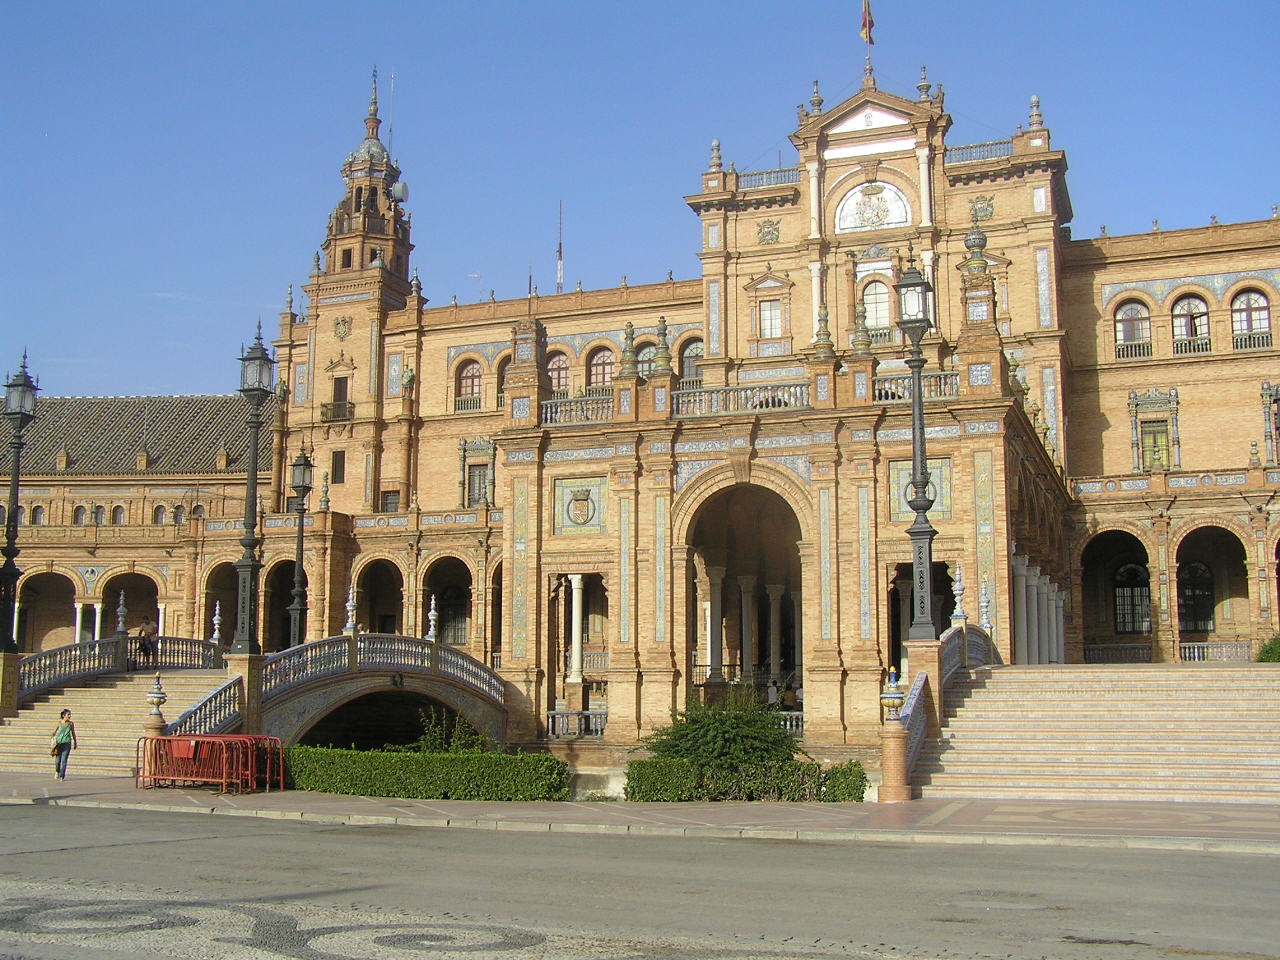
[1133,330]
[469,379]
[1155,444]
[1250,320]
[477,484]
[1133,599]
[558,372]
[600,368]
[390,501]
[78,517]
[770,319]
[875,298]
[690,355]
[1190,319]
[1195,598]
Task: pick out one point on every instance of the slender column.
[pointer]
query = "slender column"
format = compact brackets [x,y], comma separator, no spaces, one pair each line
[715,663]
[747,619]
[160,621]
[1043,637]
[98,611]
[1033,615]
[797,629]
[1020,609]
[775,591]
[79,621]
[903,583]
[575,630]
[1060,626]
[815,284]
[815,201]
[926,188]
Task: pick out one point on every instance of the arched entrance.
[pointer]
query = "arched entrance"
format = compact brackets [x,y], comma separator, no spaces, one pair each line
[277,626]
[140,600]
[746,578]
[449,581]
[47,613]
[379,598]
[901,603]
[376,719]
[221,593]
[1115,586]
[1212,596]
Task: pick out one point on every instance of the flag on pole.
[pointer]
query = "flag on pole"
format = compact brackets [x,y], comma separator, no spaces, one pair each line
[868,22]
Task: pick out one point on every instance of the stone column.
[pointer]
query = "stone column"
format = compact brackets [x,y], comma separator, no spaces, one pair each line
[815,201]
[1044,635]
[895,786]
[1033,615]
[79,621]
[248,667]
[160,619]
[747,619]
[1019,598]
[98,611]
[926,191]
[715,663]
[797,628]
[575,630]
[815,284]
[1060,624]
[775,591]
[903,583]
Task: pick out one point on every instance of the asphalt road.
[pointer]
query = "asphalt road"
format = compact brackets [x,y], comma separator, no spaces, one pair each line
[109,885]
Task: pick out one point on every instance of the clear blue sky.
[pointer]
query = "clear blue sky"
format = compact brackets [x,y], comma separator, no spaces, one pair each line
[168,168]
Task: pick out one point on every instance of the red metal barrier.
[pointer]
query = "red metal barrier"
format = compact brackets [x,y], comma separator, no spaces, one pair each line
[233,762]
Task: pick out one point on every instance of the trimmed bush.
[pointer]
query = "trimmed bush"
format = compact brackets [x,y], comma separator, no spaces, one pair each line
[1270,652]
[428,776]
[845,783]
[727,735]
[669,780]
[662,779]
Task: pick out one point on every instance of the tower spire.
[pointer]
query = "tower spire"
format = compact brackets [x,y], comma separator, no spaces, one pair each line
[372,122]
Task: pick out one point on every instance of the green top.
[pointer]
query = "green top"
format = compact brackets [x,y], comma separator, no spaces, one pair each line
[65,733]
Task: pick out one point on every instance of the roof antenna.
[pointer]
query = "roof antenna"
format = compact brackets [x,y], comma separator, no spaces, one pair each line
[391,126]
[560,253]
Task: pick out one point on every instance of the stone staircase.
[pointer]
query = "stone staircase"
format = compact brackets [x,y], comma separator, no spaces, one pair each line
[1194,732]
[108,712]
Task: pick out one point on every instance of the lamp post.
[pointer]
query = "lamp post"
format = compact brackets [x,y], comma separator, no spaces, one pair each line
[300,477]
[20,408]
[255,384]
[914,299]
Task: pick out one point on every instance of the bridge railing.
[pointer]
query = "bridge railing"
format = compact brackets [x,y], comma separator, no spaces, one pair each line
[217,712]
[301,665]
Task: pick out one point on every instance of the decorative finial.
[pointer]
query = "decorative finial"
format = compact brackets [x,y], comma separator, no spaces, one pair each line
[324,491]
[1275,211]
[454,302]
[822,345]
[288,300]
[662,359]
[432,617]
[1103,231]
[1254,460]
[628,366]
[923,85]
[984,607]
[975,240]
[350,626]
[1037,119]
[868,76]
[671,277]
[217,620]
[816,101]
[415,285]
[1213,220]
[1155,226]
[716,163]
[492,298]
[801,114]
[957,591]
[373,97]
[861,334]
[315,264]
[624,281]
[578,288]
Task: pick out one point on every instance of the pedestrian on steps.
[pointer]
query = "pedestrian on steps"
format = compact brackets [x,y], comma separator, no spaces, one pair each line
[63,742]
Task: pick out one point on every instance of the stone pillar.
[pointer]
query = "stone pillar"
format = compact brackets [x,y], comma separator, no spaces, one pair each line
[79,621]
[797,627]
[9,684]
[1020,609]
[775,591]
[1033,615]
[815,284]
[815,201]
[715,664]
[747,624]
[98,610]
[160,621]
[894,786]
[1060,625]
[926,191]
[575,630]
[248,667]
[903,583]
[1044,636]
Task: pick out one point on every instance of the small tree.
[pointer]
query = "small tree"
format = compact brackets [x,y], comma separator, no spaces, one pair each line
[1270,652]
[442,734]
[726,735]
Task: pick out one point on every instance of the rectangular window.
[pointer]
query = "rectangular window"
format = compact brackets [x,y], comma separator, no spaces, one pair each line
[477,484]
[1155,444]
[770,319]
[1133,608]
[390,501]
[338,466]
[346,259]
[340,389]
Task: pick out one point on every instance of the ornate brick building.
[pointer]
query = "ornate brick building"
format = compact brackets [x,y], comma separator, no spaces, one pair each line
[617,496]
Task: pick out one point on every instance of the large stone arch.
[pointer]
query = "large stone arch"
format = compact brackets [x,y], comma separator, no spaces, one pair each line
[141,598]
[451,581]
[220,592]
[46,611]
[277,598]
[1111,560]
[1142,534]
[1210,584]
[381,584]
[762,474]
[291,715]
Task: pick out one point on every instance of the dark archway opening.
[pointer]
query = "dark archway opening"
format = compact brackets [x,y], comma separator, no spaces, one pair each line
[381,598]
[47,613]
[221,591]
[449,583]
[376,719]
[277,631]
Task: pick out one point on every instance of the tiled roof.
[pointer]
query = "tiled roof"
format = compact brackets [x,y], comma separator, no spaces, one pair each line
[103,435]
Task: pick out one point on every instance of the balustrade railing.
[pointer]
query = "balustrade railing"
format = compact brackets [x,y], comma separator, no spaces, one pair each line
[1187,346]
[216,713]
[574,724]
[466,404]
[468,670]
[915,717]
[578,410]
[186,653]
[729,673]
[987,150]
[793,722]
[952,644]
[337,411]
[753,399]
[1117,653]
[594,661]
[1256,340]
[933,386]
[1136,350]
[296,666]
[882,335]
[63,665]
[1204,651]
[768,178]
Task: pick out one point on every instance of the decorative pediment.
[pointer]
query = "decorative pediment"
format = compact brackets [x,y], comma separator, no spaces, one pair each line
[343,362]
[769,282]
[869,117]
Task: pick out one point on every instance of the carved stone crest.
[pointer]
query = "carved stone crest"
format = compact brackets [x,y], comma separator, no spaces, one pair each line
[768,231]
[872,208]
[580,509]
[983,208]
[342,327]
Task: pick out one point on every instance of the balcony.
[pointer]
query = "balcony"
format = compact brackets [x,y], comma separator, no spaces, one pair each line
[768,178]
[1188,346]
[988,150]
[337,411]
[933,386]
[722,400]
[578,410]
[466,404]
[1133,350]
[1254,340]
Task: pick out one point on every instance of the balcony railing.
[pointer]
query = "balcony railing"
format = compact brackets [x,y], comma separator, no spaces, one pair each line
[1186,346]
[768,178]
[1207,650]
[337,411]
[721,400]
[1257,340]
[595,661]
[466,404]
[574,724]
[1117,652]
[987,150]
[881,335]
[1135,350]
[933,386]
[578,410]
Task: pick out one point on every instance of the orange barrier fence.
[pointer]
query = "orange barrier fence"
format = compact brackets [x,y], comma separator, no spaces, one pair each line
[235,763]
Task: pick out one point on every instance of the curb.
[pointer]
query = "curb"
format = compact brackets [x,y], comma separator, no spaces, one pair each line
[835,835]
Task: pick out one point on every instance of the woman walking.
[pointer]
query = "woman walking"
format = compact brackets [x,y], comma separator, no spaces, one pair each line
[64,741]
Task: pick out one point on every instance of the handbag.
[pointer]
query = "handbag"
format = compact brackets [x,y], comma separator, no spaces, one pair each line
[53,751]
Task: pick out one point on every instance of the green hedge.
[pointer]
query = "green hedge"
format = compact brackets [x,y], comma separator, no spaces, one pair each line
[661,779]
[428,776]
[1270,652]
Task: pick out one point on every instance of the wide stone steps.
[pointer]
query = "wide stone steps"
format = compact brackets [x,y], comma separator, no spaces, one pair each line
[1144,732]
[108,713]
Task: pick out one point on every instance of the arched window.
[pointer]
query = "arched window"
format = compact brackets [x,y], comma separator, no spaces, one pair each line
[468,387]
[100,515]
[1133,599]
[1133,330]
[20,516]
[78,516]
[159,515]
[179,516]
[600,368]
[1190,326]
[558,371]
[1195,597]
[690,354]
[117,516]
[646,354]
[37,516]
[875,299]
[1250,320]
[503,365]
[197,513]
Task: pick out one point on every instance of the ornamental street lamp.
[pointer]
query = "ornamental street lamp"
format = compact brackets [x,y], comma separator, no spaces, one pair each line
[914,301]
[20,409]
[300,478]
[255,384]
